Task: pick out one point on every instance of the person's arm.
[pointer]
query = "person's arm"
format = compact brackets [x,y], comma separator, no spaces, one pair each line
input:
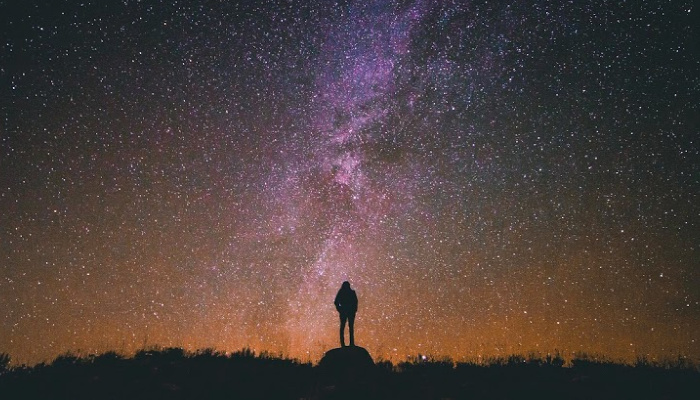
[337,301]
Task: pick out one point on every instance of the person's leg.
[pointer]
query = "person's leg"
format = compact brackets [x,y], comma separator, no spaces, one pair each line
[351,320]
[343,319]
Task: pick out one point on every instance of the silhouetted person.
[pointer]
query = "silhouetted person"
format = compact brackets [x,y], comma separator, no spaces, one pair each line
[346,304]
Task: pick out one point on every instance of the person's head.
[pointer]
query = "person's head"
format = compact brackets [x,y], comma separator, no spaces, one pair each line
[346,285]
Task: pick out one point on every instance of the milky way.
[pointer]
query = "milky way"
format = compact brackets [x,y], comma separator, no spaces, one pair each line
[491,177]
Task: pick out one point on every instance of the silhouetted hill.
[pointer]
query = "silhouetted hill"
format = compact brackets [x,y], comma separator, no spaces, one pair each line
[172,373]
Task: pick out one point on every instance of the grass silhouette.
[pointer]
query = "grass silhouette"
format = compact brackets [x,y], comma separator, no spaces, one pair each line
[172,373]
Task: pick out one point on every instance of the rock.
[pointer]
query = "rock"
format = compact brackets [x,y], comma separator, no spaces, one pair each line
[347,373]
[347,363]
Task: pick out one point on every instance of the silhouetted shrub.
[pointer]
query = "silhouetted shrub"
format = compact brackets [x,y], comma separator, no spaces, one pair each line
[554,360]
[4,362]
[245,352]
[66,359]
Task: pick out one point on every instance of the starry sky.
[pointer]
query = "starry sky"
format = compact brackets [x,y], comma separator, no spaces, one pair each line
[492,177]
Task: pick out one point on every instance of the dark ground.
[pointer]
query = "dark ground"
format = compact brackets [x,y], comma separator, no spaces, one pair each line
[174,374]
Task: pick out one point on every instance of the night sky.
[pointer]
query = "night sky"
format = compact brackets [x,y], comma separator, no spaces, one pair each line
[492,177]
